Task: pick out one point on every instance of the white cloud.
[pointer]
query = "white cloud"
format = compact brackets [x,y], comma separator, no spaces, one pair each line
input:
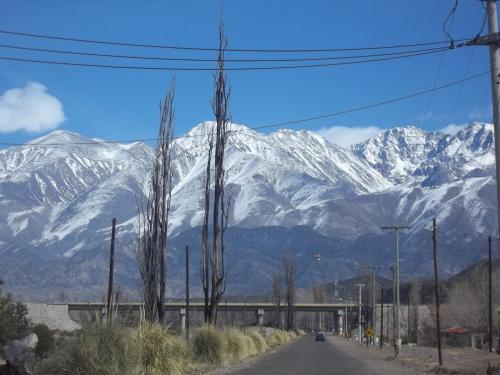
[31,109]
[452,129]
[345,136]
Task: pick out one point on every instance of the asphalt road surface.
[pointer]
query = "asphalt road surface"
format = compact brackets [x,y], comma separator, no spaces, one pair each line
[308,357]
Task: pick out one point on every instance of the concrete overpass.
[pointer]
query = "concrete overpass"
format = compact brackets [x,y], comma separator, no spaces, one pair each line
[223,306]
[64,316]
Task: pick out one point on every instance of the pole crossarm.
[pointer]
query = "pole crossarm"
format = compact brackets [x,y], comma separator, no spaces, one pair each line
[484,40]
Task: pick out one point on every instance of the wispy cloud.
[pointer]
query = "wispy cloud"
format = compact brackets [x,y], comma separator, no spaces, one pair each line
[30,109]
[346,136]
[452,129]
[478,113]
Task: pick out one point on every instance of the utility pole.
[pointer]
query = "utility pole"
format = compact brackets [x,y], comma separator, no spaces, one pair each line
[397,346]
[393,273]
[491,40]
[490,302]
[436,287]
[359,316]
[187,293]
[374,298]
[111,271]
[245,317]
[382,318]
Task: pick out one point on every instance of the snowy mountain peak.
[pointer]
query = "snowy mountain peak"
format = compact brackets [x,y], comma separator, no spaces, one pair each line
[412,155]
[60,137]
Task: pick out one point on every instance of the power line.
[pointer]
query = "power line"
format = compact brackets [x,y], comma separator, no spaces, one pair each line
[436,78]
[248,68]
[159,46]
[189,59]
[274,125]
[450,15]
[459,91]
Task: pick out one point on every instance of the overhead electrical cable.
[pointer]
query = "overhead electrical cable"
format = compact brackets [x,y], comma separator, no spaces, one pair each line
[247,68]
[427,112]
[460,86]
[450,16]
[190,59]
[159,46]
[274,125]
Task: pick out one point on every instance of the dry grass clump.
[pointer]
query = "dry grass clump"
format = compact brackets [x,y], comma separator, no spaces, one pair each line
[101,349]
[259,341]
[235,345]
[250,346]
[207,345]
[160,352]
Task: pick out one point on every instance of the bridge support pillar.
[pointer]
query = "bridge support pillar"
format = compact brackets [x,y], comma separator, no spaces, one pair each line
[340,322]
[260,317]
[182,318]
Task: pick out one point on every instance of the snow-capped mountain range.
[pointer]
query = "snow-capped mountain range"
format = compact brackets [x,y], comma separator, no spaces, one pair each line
[59,194]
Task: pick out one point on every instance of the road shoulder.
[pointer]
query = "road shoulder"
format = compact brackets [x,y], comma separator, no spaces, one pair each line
[380,362]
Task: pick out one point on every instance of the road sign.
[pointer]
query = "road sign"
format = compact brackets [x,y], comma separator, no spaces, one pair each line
[369,332]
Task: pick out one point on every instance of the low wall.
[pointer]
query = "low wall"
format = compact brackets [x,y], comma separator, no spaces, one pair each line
[56,317]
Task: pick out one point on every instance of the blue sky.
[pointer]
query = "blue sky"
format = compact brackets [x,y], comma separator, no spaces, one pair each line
[116,104]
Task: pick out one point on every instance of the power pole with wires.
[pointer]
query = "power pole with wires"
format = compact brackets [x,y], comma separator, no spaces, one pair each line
[490,302]
[397,344]
[492,41]
[436,287]
[382,318]
[109,309]
[359,312]
[187,293]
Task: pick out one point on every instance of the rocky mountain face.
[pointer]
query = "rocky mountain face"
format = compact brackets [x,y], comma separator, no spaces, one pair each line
[293,191]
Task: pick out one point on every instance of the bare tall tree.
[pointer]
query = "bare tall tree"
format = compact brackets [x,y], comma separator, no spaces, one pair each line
[213,262]
[289,269]
[153,218]
[277,295]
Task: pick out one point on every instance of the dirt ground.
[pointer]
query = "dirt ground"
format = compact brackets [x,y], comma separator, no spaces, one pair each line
[460,361]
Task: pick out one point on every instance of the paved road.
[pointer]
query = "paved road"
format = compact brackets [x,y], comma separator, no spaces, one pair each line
[307,357]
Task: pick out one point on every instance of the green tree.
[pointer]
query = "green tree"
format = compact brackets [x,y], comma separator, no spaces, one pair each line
[13,319]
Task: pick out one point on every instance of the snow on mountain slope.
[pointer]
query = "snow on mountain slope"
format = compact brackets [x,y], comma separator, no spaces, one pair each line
[58,199]
[412,155]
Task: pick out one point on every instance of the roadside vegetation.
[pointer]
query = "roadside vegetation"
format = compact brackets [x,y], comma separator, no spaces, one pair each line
[152,349]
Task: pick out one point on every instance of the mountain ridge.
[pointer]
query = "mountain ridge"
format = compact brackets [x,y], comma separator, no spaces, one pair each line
[58,201]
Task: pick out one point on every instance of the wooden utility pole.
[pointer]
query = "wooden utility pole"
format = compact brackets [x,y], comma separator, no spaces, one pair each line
[393,310]
[245,317]
[437,289]
[490,302]
[111,271]
[187,293]
[491,40]
[374,297]
[382,318]
[397,346]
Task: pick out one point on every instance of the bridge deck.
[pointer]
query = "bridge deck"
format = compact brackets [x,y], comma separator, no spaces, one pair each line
[229,306]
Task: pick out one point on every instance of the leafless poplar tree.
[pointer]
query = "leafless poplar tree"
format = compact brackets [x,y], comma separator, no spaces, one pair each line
[277,295]
[213,271]
[153,218]
[289,269]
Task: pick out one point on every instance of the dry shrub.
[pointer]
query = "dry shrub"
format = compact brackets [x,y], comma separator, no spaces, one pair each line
[103,350]
[235,345]
[161,353]
[259,341]
[207,345]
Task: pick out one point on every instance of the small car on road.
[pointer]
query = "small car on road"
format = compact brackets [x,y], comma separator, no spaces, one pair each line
[320,336]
